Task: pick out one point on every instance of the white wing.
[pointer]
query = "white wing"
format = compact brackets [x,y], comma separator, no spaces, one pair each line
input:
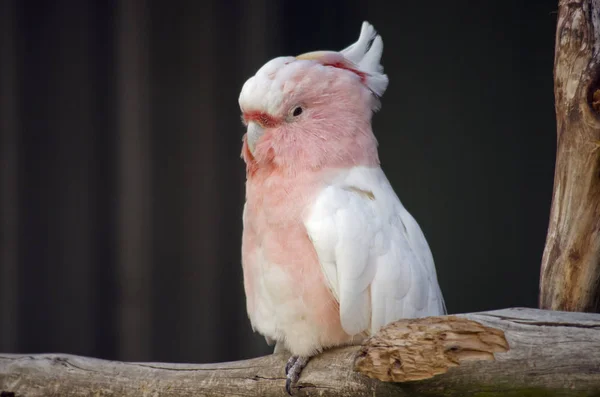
[372,252]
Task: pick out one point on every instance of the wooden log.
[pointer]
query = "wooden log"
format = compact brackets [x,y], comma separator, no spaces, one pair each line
[550,353]
[570,273]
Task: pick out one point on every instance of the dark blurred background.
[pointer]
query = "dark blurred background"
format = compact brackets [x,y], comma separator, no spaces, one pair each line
[121,186]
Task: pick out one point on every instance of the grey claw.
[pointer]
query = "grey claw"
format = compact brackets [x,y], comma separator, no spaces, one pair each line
[290,364]
[293,369]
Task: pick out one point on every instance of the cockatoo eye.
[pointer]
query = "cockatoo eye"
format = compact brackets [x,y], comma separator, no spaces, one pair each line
[297,111]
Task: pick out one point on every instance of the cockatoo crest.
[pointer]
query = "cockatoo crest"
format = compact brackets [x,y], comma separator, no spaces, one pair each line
[362,58]
[266,90]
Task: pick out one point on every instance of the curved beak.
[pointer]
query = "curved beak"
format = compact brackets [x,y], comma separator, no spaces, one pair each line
[254,132]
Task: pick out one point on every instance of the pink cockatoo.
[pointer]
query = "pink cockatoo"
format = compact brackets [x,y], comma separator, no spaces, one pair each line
[329,254]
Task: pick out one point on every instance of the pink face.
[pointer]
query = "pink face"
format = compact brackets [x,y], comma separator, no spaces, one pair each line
[301,114]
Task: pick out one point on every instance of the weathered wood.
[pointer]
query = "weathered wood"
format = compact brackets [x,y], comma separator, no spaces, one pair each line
[551,353]
[570,272]
[422,348]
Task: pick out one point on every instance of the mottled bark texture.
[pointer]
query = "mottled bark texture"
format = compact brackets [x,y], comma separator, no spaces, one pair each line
[549,353]
[570,270]
[422,348]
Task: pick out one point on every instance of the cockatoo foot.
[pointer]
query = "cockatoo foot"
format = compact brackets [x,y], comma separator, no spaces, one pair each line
[290,364]
[293,369]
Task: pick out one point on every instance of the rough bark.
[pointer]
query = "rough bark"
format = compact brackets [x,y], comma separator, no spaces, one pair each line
[422,348]
[551,353]
[570,270]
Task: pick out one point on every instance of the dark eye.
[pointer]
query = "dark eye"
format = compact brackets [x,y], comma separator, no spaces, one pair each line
[297,111]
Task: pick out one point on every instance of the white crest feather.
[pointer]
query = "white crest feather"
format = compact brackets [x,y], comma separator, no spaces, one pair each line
[366,53]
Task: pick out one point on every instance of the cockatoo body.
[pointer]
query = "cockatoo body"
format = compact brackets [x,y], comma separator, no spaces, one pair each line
[329,253]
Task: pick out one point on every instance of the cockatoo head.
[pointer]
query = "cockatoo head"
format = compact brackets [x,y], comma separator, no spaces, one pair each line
[314,110]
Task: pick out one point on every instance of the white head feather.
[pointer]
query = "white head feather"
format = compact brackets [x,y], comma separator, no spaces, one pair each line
[266,87]
[366,54]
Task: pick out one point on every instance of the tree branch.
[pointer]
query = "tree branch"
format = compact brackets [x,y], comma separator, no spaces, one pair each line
[570,273]
[555,353]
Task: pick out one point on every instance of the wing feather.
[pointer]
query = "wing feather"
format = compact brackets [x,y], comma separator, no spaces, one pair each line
[372,252]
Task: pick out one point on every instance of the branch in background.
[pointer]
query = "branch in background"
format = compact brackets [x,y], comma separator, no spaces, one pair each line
[570,273]
[554,353]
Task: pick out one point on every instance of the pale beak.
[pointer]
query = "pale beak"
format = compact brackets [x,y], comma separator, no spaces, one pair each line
[254,132]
